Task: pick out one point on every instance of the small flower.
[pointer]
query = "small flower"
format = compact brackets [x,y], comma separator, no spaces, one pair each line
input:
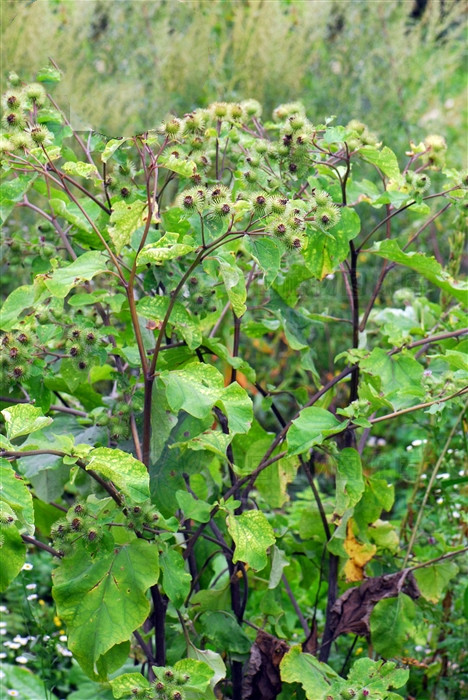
[13,645]
[31,586]
[13,693]
[63,651]
[33,596]
[3,609]
[3,624]
[21,660]
[27,567]
[3,632]
[3,655]
[63,637]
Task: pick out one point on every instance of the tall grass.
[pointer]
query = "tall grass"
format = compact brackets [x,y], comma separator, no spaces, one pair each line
[126,63]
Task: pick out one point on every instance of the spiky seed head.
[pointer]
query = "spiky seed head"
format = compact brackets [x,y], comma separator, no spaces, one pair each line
[277,204]
[171,127]
[12,102]
[76,524]
[21,140]
[220,109]
[357,126]
[40,135]
[6,145]
[236,112]
[321,198]
[252,108]
[35,93]
[435,142]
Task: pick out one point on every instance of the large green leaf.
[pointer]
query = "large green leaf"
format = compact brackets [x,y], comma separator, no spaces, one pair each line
[102,599]
[13,191]
[238,408]
[82,269]
[86,170]
[314,676]
[111,146]
[175,577]
[20,299]
[432,580]
[181,166]
[167,248]
[12,554]
[23,419]
[311,428]
[23,682]
[124,221]
[224,632]
[75,214]
[128,474]
[124,686]
[391,625]
[400,377]
[195,389]
[155,308]
[234,282]
[16,495]
[252,535]
[385,160]
[349,480]
[212,659]
[425,266]
[324,253]
[378,494]
[267,255]
[200,674]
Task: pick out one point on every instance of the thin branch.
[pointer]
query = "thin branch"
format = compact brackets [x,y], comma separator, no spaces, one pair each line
[41,545]
[295,605]
[431,483]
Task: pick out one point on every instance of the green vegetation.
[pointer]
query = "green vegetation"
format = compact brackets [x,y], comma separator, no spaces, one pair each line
[126,65]
[233,347]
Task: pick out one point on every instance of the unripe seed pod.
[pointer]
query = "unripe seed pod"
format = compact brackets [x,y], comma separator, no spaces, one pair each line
[18,372]
[82,365]
[22,338]
[76,524]
[78,508]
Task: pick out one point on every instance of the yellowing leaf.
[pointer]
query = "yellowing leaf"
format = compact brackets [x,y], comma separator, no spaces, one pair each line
[359,555]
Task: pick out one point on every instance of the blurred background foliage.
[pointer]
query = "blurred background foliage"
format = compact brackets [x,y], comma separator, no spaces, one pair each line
[398,65]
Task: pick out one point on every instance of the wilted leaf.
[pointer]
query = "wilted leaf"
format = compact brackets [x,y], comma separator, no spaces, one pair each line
[359,555]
